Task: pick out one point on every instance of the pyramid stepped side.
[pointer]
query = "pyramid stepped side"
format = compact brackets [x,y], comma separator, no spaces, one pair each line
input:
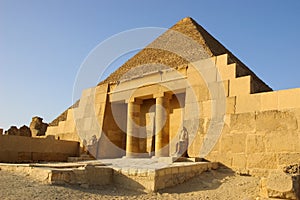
[91,107]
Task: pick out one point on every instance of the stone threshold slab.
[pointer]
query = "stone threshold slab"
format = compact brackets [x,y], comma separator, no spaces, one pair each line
[88,174]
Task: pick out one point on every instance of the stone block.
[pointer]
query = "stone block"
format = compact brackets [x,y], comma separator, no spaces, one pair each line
[101,88]
[240,86]
[255,144]
[262,160]
[70,115]
[192,110]
[277,141]
[239,161]
[196,79]
[243,122]
[226,143]
[276,120]
[200,92]
[69,126]
[87,92]
[288,158]
[230,105]
[227,72]
[221,60]
[238,143]
[213,108]
[278,185]
[218,90]
[269,101]
[248,103]
[288,98]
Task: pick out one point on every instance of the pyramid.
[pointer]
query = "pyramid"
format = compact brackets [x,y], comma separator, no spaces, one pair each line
[190,28]
[144,109]
[193,30]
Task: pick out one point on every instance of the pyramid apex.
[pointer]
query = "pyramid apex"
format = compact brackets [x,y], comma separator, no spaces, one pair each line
[186,19]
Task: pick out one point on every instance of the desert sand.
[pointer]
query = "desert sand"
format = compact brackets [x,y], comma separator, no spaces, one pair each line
[216,184]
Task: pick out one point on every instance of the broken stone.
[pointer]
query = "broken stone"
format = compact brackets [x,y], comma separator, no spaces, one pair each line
[38,127]
[278,185]
[25,131]
[13,130]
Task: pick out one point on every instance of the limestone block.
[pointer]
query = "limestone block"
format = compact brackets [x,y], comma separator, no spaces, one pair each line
[278,185]
[248,103]
[240,86]
[195,146]
[226,143]
[87,92]
[225,158]
[98,109]
[209,74]
[243,122]
[288,98]
[213,108]
[101,88]
[276,120]
[222,60]
[218,90]
[262,160]
[200,93]
[230,105]
[61,127]
[70,115]
[69,126]
[277,141]
[227,72]
[100,97]
[192,111]
[52,130]
[288,158]
[195,79]
[255,144]
[269,101]
[239,161]
[238,143]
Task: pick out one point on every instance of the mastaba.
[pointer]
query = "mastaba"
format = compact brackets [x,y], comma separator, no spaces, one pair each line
[187,82]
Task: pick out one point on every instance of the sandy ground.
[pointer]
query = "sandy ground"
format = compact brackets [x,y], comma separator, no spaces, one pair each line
[216,184]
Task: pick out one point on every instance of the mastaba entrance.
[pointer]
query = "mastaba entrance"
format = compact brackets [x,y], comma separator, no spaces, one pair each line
[185,94]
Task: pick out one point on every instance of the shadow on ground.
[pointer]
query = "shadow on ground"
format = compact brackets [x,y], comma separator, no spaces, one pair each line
[208,180]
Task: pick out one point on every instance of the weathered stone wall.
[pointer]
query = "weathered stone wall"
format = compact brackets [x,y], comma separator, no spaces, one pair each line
[22,131]
[261,130]
[27,149]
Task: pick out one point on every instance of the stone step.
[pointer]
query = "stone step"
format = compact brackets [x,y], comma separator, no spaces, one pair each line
[83,157]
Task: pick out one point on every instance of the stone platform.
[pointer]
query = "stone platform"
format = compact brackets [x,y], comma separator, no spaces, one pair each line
[137,174]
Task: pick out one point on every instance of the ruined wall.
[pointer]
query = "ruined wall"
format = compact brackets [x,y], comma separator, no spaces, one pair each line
[27,149]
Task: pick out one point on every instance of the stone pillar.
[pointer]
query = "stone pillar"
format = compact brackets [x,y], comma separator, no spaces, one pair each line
[162,126]
[1,131]
[133,120]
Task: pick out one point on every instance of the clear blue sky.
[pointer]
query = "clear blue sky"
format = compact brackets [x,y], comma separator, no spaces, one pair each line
[43,43]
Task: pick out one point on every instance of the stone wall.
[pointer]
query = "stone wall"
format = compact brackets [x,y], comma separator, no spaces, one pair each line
[260,130]
[26,149]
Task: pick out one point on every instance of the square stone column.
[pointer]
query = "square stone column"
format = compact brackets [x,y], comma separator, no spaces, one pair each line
[162,111]
[133,125]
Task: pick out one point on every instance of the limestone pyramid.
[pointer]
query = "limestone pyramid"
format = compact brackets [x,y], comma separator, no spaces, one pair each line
[191,29]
